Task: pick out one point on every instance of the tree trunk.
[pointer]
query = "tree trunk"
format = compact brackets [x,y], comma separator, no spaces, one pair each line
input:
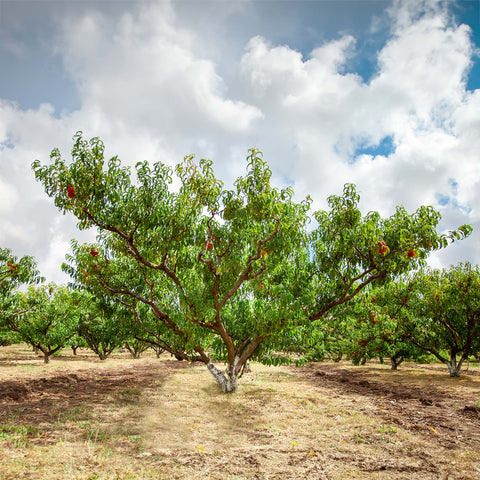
[74,348]
[46,357]
[454,367]
[336,357]
[396,361]
[158,351]
[228,381]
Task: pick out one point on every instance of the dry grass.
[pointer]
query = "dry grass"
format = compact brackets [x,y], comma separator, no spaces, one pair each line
[152,420]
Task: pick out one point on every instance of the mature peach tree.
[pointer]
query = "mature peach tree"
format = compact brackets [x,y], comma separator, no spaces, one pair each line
[186,254]
[430,312]
[226,274]
[351,253]
[373,324]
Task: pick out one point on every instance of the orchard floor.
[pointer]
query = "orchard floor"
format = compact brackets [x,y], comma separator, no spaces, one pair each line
[79,418]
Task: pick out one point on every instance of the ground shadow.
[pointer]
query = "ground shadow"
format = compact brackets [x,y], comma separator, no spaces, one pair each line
[45,400]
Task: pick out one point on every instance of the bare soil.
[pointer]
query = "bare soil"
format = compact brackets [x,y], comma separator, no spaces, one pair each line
[80,418]
[448,408]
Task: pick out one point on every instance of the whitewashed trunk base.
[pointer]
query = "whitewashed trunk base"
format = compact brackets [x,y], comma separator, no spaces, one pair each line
[228,383]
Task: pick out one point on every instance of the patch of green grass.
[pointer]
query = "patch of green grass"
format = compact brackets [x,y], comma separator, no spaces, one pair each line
[75,415]
[130,392]
[387,429]
[19,435]
[94,433]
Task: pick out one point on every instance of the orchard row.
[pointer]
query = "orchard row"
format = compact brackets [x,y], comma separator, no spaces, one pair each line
[429,312]
[209,273]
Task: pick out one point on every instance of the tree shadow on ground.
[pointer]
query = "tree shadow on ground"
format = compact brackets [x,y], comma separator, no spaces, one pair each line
[45,400]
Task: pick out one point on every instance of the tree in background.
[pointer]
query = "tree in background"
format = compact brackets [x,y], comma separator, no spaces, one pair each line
[48,319]
[227,274]
[446,314]
[351,251]
[14,273]
[100,323]
[374,324]
[433,312]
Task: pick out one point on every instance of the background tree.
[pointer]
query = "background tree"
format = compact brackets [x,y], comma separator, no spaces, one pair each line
[446,307]
[100,323]
[14,273]
[375,324]
[48,318]
[351,251]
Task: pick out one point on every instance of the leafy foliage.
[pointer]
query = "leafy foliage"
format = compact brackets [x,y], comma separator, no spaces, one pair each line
[100,323]
[47,318]
[14,272]
[212,273]
[447,314]
[351,251]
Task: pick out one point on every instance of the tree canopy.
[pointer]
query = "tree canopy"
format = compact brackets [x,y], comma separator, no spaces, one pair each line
[214,273]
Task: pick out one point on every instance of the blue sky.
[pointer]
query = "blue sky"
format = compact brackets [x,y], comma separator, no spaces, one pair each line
[384,94]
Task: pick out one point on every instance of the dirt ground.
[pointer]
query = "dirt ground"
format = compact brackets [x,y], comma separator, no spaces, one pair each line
[449,408]
[81,418]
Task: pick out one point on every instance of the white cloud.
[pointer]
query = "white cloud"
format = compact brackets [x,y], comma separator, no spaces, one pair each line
[150,89]
[419,87]
[8,197]
[143,72]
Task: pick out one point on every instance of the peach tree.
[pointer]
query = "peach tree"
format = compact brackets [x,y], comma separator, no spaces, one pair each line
[224,274]
[431,312]
[351,251]
[374,324]
[193,255]
[100,323]
[14,273]
[446,307]
[48,318]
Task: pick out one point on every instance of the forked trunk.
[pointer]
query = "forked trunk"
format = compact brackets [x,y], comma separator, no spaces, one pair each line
[454,366]
[337,357]
[158,351]
[396,361]
[227,380]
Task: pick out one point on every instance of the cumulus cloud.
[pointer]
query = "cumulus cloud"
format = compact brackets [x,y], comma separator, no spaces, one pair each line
[143,72]
[417,99]
[150,88]
[8,197]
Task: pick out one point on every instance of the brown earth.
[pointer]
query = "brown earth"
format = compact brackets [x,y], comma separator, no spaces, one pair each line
[450,412]
[161,419]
